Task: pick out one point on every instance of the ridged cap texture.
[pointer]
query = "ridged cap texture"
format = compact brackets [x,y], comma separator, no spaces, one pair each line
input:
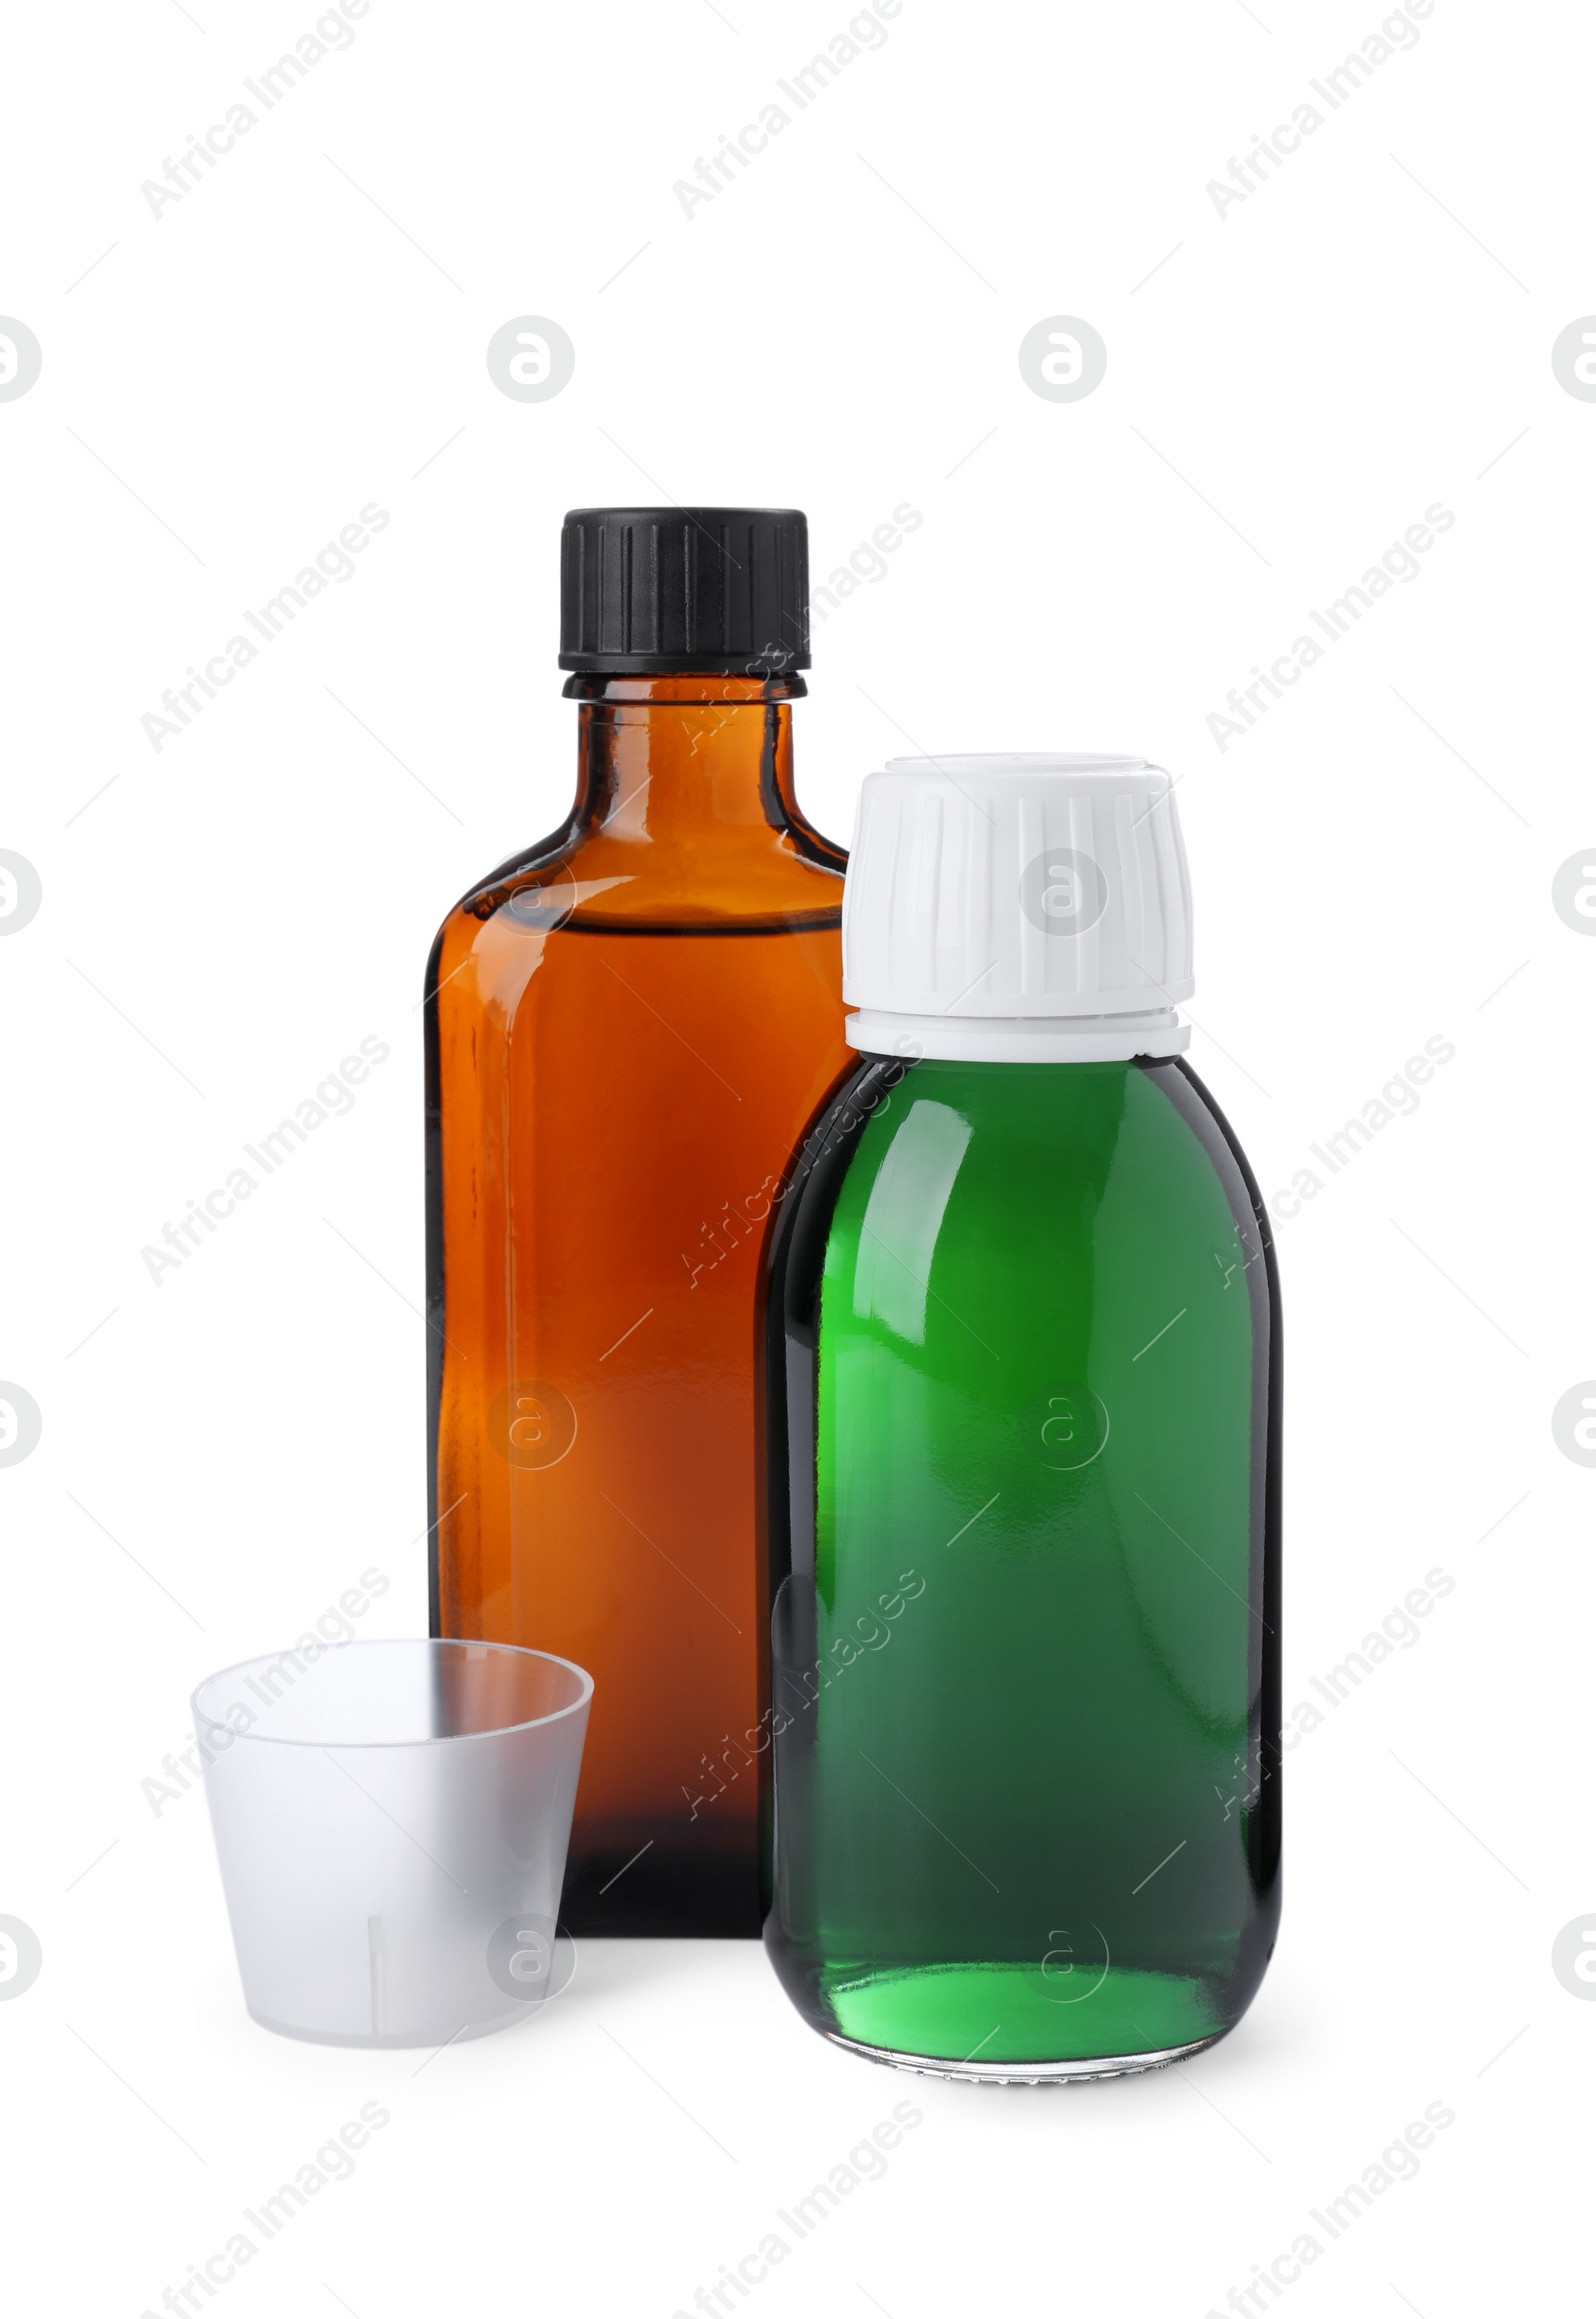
[661,591]
[1017,887]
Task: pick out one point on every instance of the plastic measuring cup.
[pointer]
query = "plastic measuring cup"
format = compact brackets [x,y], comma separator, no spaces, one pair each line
[391,1819]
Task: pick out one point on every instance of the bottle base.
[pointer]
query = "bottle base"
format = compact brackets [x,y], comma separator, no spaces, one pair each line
[1008,2021]
[639,1880]
[975,2073]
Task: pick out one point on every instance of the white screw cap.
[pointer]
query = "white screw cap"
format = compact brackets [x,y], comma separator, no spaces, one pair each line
[1017,909]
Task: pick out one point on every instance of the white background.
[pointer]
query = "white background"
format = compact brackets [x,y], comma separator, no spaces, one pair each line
[1367,333]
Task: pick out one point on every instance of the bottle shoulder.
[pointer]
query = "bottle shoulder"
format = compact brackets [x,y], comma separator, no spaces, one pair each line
[562,933]
[1067,1107]
[999,1150]
[1028,1198]
[594,881]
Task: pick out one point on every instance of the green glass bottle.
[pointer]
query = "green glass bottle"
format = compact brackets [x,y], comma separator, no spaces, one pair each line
[1024,1369]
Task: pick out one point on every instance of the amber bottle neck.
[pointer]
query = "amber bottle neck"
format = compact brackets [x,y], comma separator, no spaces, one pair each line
[671,757]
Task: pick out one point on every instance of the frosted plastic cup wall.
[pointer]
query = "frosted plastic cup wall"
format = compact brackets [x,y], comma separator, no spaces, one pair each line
[391,1821]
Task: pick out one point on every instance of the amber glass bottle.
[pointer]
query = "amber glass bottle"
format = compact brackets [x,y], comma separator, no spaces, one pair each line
[629,1028]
